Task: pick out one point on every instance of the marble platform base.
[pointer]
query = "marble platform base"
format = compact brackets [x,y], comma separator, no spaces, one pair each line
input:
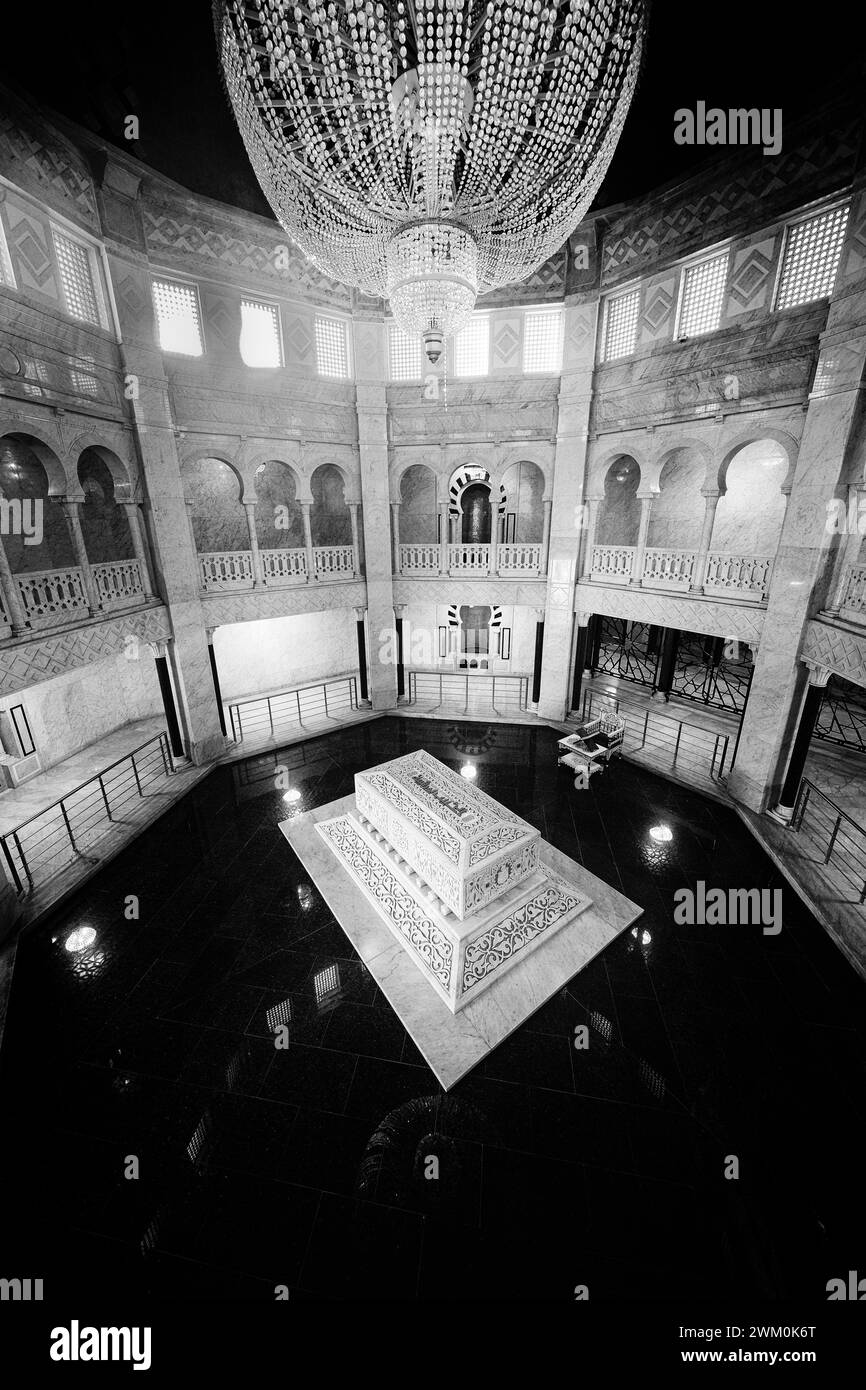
[452,1044]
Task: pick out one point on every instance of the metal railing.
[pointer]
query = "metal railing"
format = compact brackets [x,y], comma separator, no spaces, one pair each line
[456,690]
[671,742]
[266,715]
[63,831]
[838,839]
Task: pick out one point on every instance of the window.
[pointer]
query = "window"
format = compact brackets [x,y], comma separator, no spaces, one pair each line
[542,341]
[702,294]
[75,263]
[178,318]
[260,334]
[22,730]
[620,325]
[811,258]
[7,274]
[332,352]
[405,355]
[472,347]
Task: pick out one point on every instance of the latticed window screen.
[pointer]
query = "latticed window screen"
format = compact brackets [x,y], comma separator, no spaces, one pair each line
[620,325]
[472,347]
[702,295]
[260,334]
[177,317]
[542,341]
[7,275]
[332,352]
[405,355]
[76,277]
[811,258]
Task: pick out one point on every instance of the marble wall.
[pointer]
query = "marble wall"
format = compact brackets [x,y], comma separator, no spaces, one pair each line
[278,653]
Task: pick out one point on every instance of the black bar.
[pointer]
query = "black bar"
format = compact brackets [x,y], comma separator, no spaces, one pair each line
[216,685]
[401,680]
[168,705]
[579,665]
[536,670]
[362,657]
[667,663]
[802,740]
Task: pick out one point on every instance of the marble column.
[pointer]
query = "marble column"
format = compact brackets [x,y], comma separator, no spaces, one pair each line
[588,533]
[818,678]
[11,595]
[173,549]
[646,506]
[308,542]
[356,554]
[372,409]
[443,537]
[801,562]
[848,551]
[699,573]
[195,546]
[73,521]
[547,506]
[258,571]
[395,536]
[572,425]
[133,517]
[495,529]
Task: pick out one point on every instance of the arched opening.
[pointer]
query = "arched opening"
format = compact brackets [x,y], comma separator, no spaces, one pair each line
[619,510]
[418,518]
[279,519]
[476,514]
[475,630]
[749,515]
[37,535]
[330,521]
[104,523]
[678,510]
[523,517]
[218,519]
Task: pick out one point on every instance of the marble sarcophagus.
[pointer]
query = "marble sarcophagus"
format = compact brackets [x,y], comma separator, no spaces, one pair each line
[466,847]
[456,877]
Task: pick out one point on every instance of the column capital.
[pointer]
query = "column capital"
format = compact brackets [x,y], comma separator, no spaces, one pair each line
[400,610]
[818,675]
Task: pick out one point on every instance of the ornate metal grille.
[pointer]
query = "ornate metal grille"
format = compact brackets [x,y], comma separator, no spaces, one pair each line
[842,717]
[627,650]
[711,672]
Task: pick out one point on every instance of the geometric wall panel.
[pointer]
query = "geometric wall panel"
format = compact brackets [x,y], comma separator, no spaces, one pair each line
[45,657]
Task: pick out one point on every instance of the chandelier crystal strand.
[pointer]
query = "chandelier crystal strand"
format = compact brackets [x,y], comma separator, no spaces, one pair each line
[430,150]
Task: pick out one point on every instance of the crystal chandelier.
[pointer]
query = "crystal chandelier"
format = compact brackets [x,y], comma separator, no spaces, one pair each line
[430,150]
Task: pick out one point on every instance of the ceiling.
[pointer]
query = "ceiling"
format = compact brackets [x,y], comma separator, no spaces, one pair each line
[100,62]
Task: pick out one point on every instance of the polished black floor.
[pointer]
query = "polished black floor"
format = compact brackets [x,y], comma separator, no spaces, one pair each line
[153,1049]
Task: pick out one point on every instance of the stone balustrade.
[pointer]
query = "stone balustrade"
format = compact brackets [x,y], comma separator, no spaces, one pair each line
[334,561]
[612,564]
[225,569]
[118,583]
[738,576]
[50,596]
[744,577]
[853,602]
[668,569]
[519,557]
[469,559]
[288,566]
[420,559]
